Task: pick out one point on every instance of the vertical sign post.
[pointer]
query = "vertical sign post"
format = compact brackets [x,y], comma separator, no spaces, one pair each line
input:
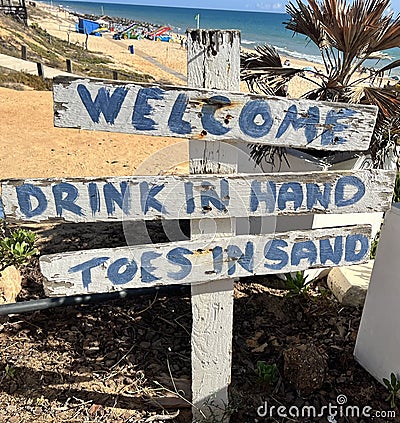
[213,63]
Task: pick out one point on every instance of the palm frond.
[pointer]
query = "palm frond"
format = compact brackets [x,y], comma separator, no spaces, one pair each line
[347,33]
[263,72]
[304,21]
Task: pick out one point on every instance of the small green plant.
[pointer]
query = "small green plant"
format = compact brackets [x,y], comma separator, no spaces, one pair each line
[10,371]
[393,386]
[17,249]
[267,373]
[374,246]
[297,284]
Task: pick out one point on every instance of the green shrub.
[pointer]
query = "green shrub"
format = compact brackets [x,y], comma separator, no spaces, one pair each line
[393,386]
[267,373]
[17,249]
[297,284]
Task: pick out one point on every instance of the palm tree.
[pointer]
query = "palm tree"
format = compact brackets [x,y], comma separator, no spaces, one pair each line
[346,35]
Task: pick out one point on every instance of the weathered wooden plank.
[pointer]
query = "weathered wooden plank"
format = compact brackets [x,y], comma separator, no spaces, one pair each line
[211,115]
[106,270]
[213,62]
[197,196]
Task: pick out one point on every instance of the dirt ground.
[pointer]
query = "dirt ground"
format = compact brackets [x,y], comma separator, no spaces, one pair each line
[124,360]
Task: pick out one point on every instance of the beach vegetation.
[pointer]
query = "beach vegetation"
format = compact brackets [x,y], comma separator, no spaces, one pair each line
[267,373]
[347,35]
[17,249]
[53,51]
[297,283]
[393,386]
[20,80]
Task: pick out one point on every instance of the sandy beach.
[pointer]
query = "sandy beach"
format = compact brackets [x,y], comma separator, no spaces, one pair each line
[32,147]
[171,55]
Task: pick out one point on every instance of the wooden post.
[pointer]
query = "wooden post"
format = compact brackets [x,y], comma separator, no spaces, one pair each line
[115,75]
[40,69]
[24,54]
[213,62]
[69,65]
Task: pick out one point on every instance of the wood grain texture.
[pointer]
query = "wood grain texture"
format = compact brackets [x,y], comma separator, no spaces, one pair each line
[213,62]
[211,115]
[138,266]
[196,196]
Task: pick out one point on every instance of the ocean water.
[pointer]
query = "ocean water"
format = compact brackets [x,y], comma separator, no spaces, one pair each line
[257,28]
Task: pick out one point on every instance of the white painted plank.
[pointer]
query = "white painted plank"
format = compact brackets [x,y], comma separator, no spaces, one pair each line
[213,62]
[105,270]
[213,59]
[378,341]
[211,115]
[197,196]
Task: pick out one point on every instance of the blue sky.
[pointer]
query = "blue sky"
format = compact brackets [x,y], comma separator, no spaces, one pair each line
[257,5]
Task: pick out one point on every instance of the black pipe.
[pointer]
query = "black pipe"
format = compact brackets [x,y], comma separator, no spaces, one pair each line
[45,303]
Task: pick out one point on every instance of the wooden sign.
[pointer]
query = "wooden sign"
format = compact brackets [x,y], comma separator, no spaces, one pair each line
[189,197]
[211,115]
[105,270]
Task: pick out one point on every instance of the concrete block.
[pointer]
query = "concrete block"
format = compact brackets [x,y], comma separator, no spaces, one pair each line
[349,284]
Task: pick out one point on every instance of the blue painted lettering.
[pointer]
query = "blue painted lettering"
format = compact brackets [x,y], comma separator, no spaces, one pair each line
[177,256]
[175,122]
[315,195]
[235,255]
[334,126]
[305,250]
[208,195]
[248,115]
[146,267]
[210,124]
[357,247]
[142,108]
[273,252]
[121,278]
[24,194]
[268,196]
[343,185]
[86,267]
[218,259]
[112,196]
[110,106]
[190,206]
[309,122]
[94,198]
[148,200]
[65,195]
[290,191]
[327,253]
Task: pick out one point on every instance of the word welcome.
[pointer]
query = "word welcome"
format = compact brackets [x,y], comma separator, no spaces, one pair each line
[173,197]
[184,262]
[191,113]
